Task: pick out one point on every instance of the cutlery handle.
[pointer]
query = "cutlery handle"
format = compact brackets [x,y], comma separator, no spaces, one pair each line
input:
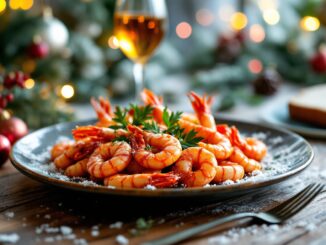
[187,233]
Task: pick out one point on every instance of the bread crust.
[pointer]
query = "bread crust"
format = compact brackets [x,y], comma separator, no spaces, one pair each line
[309,115]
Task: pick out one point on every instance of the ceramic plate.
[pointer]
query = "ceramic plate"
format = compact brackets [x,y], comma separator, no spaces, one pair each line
[279,115]
[288,155]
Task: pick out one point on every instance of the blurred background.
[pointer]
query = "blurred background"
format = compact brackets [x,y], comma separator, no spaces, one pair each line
[56,53]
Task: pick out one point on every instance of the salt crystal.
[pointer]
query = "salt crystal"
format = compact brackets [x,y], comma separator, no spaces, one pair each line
[9,214]
[51,230]
[116,225]
[228,182]
[120,239]
[150,187]
[9,238]
[95,233]
[65,230]
[256,173]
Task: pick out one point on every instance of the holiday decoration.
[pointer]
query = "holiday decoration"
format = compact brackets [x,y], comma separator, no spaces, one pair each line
[53,32]
[4,149]
[11,127]
[268,82]
[318,61]
[229,47]
[38,50]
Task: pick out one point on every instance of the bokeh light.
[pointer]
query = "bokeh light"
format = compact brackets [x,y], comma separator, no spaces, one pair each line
[204,17]
[21,4]
[271,16]
[225,12]
[26,4]
[113,42]
[183,30]
[255,66]
[239,21]
[3,5]
[267,4]
[257,33]
[309,23]
[29,83]
[67,91]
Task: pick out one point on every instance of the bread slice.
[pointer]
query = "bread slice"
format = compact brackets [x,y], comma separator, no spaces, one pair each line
[310,105]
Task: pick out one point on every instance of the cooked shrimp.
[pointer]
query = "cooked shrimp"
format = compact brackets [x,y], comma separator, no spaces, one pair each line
[134,168]
[248,164]
[104,112]
[158,180]
[251,147]
[75,152]
[156,102]
[212,141]
[167,148]
[196,166]
[59,148]
[78,169]
[228,171]
[202,108]
[109,159]
[98,133]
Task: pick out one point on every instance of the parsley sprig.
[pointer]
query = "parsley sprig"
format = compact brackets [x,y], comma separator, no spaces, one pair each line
[141,114]
[120,118]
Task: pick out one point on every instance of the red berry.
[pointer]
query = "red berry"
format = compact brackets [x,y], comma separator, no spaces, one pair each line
[318,62]
[10,97]
[9,81]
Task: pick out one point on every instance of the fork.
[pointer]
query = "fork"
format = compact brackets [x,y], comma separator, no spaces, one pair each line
[276,215]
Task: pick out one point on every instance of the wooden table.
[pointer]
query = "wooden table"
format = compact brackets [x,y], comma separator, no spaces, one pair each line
[41,214]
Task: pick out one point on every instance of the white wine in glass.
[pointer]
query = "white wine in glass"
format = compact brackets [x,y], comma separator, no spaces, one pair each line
[139,25]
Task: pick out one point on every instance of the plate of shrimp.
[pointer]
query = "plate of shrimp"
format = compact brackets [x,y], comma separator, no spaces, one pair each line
[149,150]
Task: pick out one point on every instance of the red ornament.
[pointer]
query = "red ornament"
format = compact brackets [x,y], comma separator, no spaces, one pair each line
[318,62]
[3,102]
[13,128]
[5,147]
[10,97]
[38,50]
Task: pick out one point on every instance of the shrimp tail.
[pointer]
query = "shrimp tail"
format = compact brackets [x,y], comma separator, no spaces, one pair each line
[86,131]
[224,129]
[150,98]
[160,180]
[106,105]
[235,136]
[200,104]
[137,140]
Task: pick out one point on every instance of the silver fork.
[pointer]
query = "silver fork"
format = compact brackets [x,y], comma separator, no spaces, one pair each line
[276,215]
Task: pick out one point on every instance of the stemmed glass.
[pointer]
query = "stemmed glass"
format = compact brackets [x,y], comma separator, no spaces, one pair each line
[139,25]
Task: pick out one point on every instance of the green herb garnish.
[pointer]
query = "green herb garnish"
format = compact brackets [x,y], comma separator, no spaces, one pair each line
[141,114]
[151,126]
[171,120]
[120,119]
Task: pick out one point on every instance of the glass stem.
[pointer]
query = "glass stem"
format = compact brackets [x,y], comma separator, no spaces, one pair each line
[139,79]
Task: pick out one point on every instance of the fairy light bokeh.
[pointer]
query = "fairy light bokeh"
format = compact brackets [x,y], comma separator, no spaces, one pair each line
[257,33]
[204,17]
[309,23]
[67,91]
[29,83]
[255,66]
[183,30]
[238,21]
[271,16]
[3,5]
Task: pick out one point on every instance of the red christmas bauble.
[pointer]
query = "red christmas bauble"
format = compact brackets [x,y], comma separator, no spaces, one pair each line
[5,147]
[38,50]
[318,62]
[13,79]
[13,128]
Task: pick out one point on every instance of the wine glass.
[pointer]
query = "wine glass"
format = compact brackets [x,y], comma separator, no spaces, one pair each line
[139,25]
